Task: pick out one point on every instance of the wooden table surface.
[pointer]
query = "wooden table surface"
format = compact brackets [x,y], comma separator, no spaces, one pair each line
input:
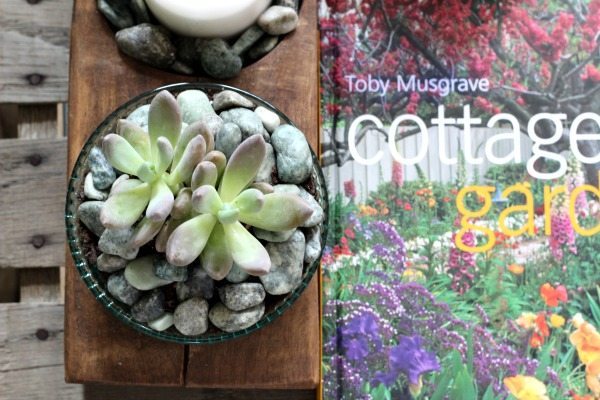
[98,347]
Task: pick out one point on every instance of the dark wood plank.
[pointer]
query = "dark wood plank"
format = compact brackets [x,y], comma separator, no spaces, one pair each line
[32,193]
[101,79]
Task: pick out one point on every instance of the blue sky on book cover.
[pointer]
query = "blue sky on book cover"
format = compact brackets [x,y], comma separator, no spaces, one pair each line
[461,144]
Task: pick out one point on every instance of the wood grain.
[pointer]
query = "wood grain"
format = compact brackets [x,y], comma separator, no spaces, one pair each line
[31,353]
[98,347]
[34,50]
[32,192]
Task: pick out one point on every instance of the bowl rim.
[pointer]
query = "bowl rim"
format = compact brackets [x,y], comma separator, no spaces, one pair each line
[87,272]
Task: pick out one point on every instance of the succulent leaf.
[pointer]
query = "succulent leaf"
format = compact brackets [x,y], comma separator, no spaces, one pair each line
[165,155]
[124,208]
[183,204]
[164,119]
[136,136]
[264,187]
[189,239]
[219,159]
[161,202]
[205,174]
[242,167]
[192,155]
[139,273]
[216,258]
[123,183]
[228,214]
[147,172]
[144,232]
[250,201]
[280,212]
[246,250]
[188,133]
[120,154]
[206,200]
[160,244]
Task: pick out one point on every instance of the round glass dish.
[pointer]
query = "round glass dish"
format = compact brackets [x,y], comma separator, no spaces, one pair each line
[81,249]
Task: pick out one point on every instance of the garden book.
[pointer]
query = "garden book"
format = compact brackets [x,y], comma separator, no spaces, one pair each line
[461,146]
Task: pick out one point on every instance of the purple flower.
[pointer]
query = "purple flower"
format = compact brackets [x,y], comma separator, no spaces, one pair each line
[392,250]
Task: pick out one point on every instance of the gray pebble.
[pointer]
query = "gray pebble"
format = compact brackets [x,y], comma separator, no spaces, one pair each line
[118,287]
[90,191]
[191,317]
[187,50]
[103,173]
[150,307]
[247,39]
[269,119]
[194,105]
[139,116]
[230,99]
[182,68]
[233,321]
[228,139]
[266,168]
[294,159]
[116,12]
[241,296]
[236,274]
[313,245]
[198,284]
[169,272]
[318,214]
[276,237]
[278,20]
[116,242]
[140,11]
[89,214]
[218,61]
[109,263]
[287,3]
[148,43]
[248,122]
[287,260]
[262,47]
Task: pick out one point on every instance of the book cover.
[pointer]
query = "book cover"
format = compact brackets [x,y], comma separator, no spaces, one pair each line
[461,143]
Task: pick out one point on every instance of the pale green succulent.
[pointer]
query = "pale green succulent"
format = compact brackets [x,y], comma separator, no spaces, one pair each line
[162,159]
[217,233]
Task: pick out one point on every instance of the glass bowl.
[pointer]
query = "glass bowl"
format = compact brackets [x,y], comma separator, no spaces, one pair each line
[83,252]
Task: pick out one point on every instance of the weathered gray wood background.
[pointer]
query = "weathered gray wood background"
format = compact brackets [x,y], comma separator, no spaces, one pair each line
[34,58]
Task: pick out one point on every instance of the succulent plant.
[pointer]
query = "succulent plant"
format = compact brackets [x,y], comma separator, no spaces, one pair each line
[216,232]
[162,160]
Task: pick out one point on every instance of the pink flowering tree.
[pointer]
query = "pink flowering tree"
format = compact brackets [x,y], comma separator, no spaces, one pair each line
[539,56]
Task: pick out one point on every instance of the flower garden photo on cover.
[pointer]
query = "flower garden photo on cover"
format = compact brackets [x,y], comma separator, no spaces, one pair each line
[415,305]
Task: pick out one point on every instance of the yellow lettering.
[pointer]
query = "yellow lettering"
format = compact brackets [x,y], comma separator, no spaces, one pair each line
[486,193]
[528,207]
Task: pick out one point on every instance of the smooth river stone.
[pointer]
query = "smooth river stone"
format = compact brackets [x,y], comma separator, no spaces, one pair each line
[89,214]
[147,43]
[313,245]
[110,264]
[287,260]
[140,274]
[278,20]
[248,122]
[164,270]
[194,105]
[162,323]
[118,286]
[140,11]
[265,171]
[116,242]
[228,139]
[241,296]
[103,173]
[269,119]
[198,284]
[90,191]
[150,307]
[230,99]
[236,274]
[294,159]
[247,39]
[191,317]
[139,116]
[269,236]
[262,47]
[233,321]
[116,12]
[218,60]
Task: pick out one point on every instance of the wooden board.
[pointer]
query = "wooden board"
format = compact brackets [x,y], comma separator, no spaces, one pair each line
[98,348]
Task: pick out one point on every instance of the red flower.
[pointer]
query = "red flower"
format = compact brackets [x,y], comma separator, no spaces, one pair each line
[552,296]
[407,207]
[348,232]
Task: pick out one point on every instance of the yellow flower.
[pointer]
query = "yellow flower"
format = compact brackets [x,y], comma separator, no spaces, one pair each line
[526,388]
[413,275]
[557,321]
[516,269]
[587,341]
[367,211]
[592,376]
[431,203]
[526,320]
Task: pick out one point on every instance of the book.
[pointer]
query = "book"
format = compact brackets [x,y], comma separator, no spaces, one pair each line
[461,144]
